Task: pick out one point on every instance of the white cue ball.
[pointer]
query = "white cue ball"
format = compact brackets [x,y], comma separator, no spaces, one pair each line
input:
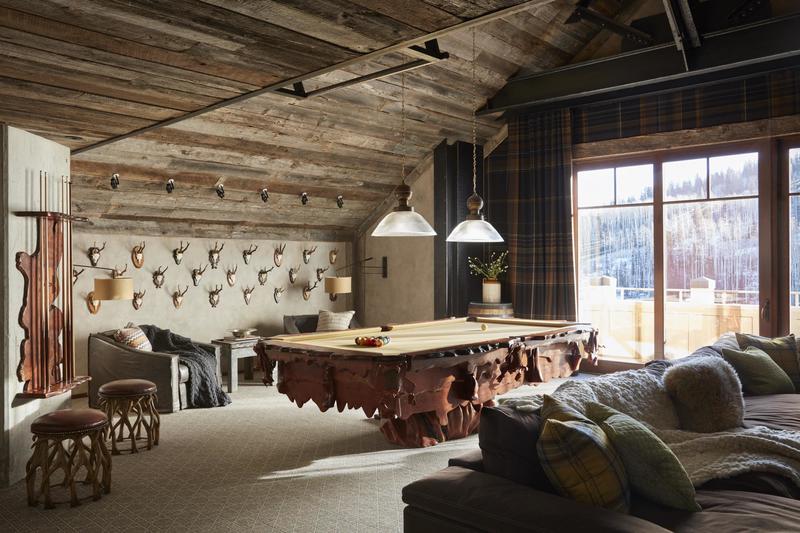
[484,327]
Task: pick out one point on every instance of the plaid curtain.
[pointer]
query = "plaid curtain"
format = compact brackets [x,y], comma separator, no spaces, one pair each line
[529,190]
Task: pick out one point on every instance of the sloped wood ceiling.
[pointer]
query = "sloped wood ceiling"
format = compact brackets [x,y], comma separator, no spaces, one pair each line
[81,71]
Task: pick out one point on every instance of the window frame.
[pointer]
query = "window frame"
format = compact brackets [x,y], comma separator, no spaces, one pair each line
[769,202]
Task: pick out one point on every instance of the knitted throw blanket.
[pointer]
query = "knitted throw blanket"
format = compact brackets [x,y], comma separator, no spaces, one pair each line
[705,456]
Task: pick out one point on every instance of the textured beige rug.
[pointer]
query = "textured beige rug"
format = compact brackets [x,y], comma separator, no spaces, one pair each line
[259,464]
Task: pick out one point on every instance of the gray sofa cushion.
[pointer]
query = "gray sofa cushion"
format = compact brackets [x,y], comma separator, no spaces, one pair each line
[508,439]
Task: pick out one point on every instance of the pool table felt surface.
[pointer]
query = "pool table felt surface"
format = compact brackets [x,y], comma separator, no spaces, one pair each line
[426,336]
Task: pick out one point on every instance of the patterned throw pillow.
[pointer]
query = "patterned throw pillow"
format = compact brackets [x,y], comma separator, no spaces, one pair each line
[653,470]
[134,337]
[581,464]
[330,321]
[782,350]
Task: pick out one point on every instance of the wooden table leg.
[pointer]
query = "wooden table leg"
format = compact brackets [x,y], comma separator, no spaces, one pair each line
[421,430]
[233,372]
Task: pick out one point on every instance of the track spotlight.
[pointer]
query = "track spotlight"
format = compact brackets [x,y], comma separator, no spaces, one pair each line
[170,185]
[114,181]
[220,190]
[264,195]
[340,201]
[304,198]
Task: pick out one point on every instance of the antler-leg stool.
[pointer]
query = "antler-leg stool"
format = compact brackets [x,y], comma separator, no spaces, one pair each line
[65,441]
[130,405]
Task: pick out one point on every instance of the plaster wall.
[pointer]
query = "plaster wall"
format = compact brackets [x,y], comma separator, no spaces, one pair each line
[407,294]
[196,318]
[22,157]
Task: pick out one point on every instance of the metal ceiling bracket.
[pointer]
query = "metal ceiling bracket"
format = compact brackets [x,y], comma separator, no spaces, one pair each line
[584,13]
[429,52]
[298,91]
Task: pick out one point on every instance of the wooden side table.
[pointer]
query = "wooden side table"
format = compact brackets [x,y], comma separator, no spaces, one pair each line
[485,310]
[232,350]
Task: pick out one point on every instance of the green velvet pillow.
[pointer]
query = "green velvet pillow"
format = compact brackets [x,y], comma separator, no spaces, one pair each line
[782,350]
[653,470]
[757,371]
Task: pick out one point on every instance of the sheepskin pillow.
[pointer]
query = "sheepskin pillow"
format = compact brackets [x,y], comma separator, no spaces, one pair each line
[707,394]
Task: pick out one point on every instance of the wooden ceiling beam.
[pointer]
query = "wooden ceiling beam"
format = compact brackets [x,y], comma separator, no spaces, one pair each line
[474,22]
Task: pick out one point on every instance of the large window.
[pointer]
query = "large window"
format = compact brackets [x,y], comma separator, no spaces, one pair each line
[669,250]
[616,257]
[794,240]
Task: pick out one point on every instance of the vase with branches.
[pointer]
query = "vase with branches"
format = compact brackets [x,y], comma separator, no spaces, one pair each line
[490,270]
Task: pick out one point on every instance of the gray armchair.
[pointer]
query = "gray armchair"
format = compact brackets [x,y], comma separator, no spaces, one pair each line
[294,324]
[110,360]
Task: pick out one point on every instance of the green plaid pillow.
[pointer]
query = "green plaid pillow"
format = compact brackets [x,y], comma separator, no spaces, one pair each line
[582,465]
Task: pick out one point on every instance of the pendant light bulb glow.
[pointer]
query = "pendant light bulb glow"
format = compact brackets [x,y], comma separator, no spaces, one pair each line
[403,221]
[474,228]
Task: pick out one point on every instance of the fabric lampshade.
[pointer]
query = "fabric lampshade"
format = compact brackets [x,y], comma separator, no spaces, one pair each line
[336,285]
[113,288]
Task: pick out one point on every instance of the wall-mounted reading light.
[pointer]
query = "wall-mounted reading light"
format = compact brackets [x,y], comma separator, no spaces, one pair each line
[340,201]
[304,198]
[264,195]
[114,181]
[220,190]
[170,185]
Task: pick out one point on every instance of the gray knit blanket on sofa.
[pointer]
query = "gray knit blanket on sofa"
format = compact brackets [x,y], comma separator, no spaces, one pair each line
[203,388]
[642,395]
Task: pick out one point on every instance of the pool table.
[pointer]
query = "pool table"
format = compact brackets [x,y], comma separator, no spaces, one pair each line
[429,383]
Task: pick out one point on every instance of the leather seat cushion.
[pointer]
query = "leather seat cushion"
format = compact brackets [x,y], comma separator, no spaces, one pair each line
[69,421]
[183,373]
[127,387]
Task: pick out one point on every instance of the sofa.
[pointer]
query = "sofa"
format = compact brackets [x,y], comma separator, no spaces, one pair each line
[466,497]
[110,360]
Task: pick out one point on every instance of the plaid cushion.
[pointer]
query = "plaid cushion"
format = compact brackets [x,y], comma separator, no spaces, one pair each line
[134,337]
[330,321]
[782,350]
[581,464]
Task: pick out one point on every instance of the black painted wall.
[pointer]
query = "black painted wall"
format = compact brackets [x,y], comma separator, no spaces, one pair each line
[454,286]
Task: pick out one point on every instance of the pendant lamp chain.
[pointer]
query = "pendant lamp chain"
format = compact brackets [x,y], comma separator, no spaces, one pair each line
[403,125]
[474,126]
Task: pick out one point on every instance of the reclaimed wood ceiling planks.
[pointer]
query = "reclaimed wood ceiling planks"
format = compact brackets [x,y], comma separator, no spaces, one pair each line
[80,72]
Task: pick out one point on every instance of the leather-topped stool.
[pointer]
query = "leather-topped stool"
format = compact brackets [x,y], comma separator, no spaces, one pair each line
[60,443]
[124,398]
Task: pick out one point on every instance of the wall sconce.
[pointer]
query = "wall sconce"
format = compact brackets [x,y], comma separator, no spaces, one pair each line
[115,181]
[220,188]
[336,285]
[304,198]
[170,185]
[109,289]
[264,195]
[340,201]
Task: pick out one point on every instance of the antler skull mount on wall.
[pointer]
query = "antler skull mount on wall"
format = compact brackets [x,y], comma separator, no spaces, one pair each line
[177,253]
[213,296]
[248,254]
[93,253]
[177,296]
[137,255]
[277,256]
[138,299]
[213,255]
[197,274]
[263,274]
[307,254]
[158,276]
[230,275]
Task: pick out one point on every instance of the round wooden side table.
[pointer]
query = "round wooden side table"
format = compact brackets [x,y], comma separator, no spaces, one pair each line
[126,399]
[66,441]
[485,310]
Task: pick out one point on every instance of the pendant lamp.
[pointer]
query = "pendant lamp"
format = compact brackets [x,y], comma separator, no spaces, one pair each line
[403,221]
[474,228]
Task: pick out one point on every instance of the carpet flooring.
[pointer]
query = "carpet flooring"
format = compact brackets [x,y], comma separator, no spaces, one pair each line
[259,464]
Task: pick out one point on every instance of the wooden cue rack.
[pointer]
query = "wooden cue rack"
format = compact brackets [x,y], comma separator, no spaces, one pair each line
[47,353]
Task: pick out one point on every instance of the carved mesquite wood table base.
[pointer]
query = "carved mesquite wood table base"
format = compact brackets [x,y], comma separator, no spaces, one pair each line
[65,442]
[130,405]
[429,384]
